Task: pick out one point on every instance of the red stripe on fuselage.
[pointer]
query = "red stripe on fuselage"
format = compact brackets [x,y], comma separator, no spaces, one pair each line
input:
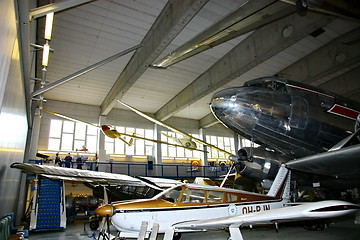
[344,111]
[309,90]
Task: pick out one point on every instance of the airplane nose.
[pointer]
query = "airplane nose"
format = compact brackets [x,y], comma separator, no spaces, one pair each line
[104,127]
[105,210]
[234,107]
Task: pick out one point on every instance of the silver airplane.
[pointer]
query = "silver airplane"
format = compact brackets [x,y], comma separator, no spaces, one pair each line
[294,123]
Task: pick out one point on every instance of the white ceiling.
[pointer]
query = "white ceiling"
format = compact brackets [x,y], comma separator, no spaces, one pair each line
[86,34]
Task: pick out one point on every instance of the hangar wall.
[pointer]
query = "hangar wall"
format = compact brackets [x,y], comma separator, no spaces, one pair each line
[13,119]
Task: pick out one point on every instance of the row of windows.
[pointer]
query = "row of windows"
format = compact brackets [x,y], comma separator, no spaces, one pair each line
[191,195]
[70,136]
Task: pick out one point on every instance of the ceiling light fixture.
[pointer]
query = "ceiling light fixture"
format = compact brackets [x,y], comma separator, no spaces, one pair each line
[46,51]
[48,25]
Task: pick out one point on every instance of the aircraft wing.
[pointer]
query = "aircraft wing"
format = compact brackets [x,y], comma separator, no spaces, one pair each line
[69,118]
[81,175]
[343,163]
[171,128]
[313,210]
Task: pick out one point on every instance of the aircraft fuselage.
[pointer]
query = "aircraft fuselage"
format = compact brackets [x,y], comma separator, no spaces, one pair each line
[292,118]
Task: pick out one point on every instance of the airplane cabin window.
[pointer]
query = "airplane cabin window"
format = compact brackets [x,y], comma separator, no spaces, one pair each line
[269,84]
[193,196]
[214,196]
[231,197]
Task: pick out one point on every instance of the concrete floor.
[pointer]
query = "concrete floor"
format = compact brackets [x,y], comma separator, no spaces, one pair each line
[343,228]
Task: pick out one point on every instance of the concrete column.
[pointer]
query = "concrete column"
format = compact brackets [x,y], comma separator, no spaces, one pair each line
[157,149]
[204,156]
[35,132]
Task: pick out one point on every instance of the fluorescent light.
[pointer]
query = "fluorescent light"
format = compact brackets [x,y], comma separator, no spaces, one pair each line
[45,57]
[48,25]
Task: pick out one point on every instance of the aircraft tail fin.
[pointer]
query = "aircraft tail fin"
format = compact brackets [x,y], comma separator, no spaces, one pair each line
[281,185]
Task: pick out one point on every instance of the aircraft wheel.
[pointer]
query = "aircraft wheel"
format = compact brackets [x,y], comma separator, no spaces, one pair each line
[177,236]
[94,224]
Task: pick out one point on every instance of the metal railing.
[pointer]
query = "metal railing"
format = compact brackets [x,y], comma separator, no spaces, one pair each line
[148,170]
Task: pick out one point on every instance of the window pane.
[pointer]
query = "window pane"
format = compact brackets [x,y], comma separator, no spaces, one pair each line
[120,129]
[231,197]
[140,147]
[196,154]
[130,150]
[189,153]
[109,147]
[54,144]
[149,133]
[68,127]
[164,150]
[67,141]
[91,143]
[78,144]
[55,128]
[119,147]
[80,130]
[180,152]
[92,130]
[172,151]
[149,150]
[214,196]
[193,196]
[140,132]
[129,130]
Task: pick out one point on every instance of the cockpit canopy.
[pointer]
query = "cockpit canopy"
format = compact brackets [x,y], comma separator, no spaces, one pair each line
[269,83]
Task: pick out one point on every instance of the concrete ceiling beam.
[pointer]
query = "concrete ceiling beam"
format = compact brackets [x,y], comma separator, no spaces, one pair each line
[259,46]
[333,59]
[173,18]
[347,85]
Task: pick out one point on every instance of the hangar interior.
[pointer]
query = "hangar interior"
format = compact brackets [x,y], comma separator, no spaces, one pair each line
[166,58]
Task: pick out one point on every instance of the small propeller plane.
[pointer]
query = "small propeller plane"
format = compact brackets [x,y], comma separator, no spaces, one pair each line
[188,140]
[198,207]
[113,133]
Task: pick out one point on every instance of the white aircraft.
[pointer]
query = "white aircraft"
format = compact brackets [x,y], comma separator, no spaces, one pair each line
[306,211]
[189,207]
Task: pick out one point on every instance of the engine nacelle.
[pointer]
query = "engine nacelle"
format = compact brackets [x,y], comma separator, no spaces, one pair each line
[258,163]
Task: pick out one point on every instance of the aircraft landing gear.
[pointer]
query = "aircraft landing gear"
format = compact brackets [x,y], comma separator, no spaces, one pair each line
[94,224]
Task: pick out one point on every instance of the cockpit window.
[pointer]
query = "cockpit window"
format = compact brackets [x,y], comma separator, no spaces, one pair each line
[173,195]
[269,84]
[279,86]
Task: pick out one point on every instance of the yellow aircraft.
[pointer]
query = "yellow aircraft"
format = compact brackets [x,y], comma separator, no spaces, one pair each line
[187,141]
[113,133]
